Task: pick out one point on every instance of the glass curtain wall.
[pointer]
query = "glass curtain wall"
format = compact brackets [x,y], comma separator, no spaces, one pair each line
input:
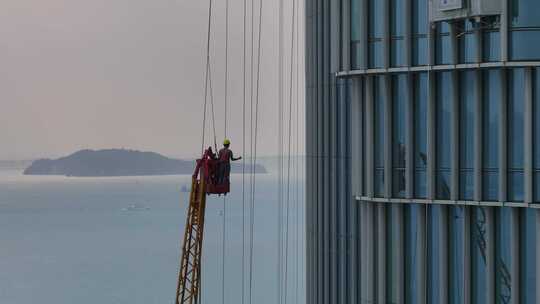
[491,39]
[420,134]
[468,47]
[524,29]
[479,254]
[412,254]
[420,28]
[399,151]
[375,33]
[445,96]
[503,255]
[491,111]
[466,128]
[516,128]
[356,43]
[433,253]
[397,33]
[443,44]
[379,134]
[536,134]
[528,256]
[456,223]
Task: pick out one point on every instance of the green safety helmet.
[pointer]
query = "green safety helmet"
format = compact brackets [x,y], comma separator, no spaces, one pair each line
[226,142]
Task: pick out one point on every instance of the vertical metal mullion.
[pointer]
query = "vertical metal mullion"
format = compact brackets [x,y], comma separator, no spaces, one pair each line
[528,137]
[387,99]
[478,147]
[478,36]
[399,272]
[503,139]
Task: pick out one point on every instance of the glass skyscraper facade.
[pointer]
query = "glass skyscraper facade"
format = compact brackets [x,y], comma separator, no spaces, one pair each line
[423,145]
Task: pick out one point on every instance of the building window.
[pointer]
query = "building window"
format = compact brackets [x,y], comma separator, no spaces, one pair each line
[379,134]
[491,111]
[516,127]
[479,254]
[456,221]
[399,104]
[503,255]
[536,134]
[397,27]
[491,38]
[466,138]
[420,134]
[467,42]
[393,254]
[412,254]
[433,253]
[445,93]
[375,33]
[443,44]
[524,30]
[420,28]
[528,256]
[356,43]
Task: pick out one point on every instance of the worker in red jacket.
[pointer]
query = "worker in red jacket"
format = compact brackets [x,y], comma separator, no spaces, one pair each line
[225,156]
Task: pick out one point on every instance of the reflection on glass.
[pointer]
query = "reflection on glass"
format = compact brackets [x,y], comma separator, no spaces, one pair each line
[503,255]
[467,42]
[375,33]
[397,27]
[491,125]
[528,256]
[536,134]
[379,107]
[393,256]
[433,253]
[456,223]
[420,26]
[355,34]
[516,102]
[420,134]
[524,30]
[466,138]
[479,254]
[399,100]
[444,131]
[412,254]
[443,45]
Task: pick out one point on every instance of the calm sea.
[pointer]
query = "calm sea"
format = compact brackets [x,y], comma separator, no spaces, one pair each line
[117,240]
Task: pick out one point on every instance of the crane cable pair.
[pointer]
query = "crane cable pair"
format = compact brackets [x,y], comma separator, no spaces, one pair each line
[253,149]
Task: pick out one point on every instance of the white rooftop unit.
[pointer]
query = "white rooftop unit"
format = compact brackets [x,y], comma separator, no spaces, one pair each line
[446,10]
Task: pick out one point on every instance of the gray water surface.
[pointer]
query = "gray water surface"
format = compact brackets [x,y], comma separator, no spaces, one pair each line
[117,240]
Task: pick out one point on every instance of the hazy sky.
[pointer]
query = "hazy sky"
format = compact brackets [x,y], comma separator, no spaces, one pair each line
[125,73]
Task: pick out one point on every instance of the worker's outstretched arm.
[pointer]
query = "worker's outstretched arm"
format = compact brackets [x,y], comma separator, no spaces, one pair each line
[232,157]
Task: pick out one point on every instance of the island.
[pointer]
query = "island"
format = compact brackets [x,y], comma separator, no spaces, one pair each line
[120,162]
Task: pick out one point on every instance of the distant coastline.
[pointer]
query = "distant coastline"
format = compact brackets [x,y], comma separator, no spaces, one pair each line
[118,162]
